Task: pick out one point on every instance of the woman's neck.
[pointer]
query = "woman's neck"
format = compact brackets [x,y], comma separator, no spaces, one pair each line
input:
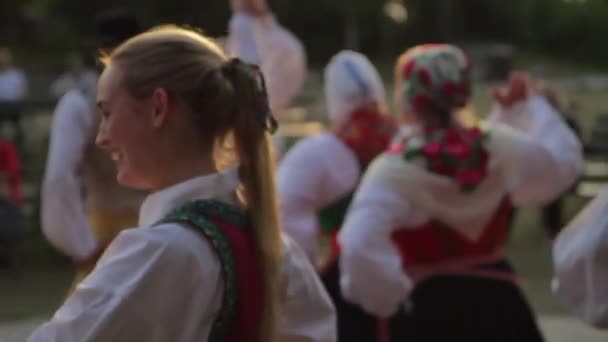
[184,169]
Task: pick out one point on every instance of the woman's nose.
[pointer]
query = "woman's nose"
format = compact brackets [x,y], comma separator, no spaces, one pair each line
[101,140]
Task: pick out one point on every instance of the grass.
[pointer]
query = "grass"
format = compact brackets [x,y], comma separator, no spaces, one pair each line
[35,292]
[530,251]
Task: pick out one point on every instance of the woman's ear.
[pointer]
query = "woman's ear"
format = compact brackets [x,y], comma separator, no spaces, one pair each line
[160,107]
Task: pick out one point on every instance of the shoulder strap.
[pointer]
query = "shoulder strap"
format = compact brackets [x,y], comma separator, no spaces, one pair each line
[197,215]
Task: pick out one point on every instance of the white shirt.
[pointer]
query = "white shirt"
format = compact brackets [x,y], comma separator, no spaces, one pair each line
[64,214]
[580,259]
[280,55]
[85,82]
[74,164]
[314,173]
[164,283]
[548,160]
[13,84]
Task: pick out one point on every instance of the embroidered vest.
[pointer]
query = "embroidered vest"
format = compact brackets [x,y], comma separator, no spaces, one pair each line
[435,249]
[225,227]
[435,243]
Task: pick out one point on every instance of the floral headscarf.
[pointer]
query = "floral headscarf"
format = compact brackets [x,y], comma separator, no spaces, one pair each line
[436,82]
[351,82]
[435,78]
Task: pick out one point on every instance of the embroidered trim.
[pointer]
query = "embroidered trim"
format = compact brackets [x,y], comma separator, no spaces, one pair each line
[196,213]
[457,154]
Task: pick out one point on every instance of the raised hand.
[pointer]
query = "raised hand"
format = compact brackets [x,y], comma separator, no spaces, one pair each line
[252,7]
[518,88]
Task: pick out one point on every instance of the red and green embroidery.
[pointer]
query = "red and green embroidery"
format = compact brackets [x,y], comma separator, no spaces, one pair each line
[196,214]
[453,152]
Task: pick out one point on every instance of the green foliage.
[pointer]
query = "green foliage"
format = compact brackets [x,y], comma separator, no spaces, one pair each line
[573,29]
[360,7]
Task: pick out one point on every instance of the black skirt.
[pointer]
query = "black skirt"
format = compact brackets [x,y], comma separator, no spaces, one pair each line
[445,308]
[354,324]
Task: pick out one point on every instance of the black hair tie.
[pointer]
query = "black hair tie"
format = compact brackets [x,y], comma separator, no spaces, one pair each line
[235,65]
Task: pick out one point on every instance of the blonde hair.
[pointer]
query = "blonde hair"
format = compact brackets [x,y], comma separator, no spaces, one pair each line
[225,101]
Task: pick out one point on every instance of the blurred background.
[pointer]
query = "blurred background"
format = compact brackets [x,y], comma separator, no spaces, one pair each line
[563,41]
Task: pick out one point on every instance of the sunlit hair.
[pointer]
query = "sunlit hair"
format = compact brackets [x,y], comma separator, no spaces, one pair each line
[192,69]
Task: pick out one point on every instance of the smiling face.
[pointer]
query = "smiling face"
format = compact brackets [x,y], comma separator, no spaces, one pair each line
[127,131]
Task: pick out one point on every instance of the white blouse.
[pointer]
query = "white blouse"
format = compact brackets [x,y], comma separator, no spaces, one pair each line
[316,172]
[164,283]
[580,259]
[77,181]
[280,55]
[548,158]
[64,212]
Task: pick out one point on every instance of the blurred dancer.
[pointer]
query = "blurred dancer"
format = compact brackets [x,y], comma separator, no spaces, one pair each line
[423,242]
[83,206]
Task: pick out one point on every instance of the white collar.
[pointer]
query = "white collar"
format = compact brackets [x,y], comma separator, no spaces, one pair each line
[221,186]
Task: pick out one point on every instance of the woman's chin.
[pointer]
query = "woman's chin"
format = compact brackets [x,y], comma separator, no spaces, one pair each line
[130,181]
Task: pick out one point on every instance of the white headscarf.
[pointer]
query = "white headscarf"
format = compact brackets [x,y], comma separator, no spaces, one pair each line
[351,81]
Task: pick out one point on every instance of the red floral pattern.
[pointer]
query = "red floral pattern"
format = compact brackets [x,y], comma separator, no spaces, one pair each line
[454,152]
[367,133]
[425,77]
[409,67]
[436,79]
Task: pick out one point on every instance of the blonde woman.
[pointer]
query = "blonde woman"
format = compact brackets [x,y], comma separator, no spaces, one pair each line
[205,262]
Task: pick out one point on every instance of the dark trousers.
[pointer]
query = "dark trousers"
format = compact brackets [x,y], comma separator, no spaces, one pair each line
[445,308]
[354,324]
[471,309]
[552,218]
